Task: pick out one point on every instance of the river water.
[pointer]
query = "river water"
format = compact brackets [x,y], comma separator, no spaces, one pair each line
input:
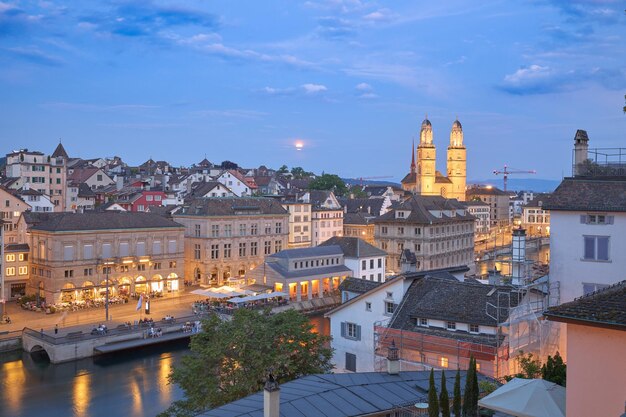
[132,384]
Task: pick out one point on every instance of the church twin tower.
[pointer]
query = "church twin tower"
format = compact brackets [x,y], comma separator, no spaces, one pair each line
[424,179]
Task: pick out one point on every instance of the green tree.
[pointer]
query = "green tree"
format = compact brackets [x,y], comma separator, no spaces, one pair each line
[530,366]
[433,404]
[299,173]
[231,359]
[470,396]
[444,400]
[456,401]
[329,182]
[282,170]
[554,370]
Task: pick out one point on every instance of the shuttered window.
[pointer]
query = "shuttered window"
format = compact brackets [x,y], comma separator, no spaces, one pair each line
[171,246]
[350,362]
[350,331]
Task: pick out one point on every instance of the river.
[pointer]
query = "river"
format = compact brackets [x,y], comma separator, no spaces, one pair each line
[132,384]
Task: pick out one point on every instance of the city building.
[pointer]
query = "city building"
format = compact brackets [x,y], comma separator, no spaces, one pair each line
[73,254]
[38,201]
[58,177]
[439,231]
[365,306]
[31,167]
[300,228]
[11,208]
[596,347]
[226,238]
[424,179]
[94,177]
[16,267]
[326,215]
[365,261]
[304,273]
[482,212]
[359,225]
[235,182]
[498,202]
[535,219]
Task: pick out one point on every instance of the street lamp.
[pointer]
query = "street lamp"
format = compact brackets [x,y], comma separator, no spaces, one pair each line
[106,294]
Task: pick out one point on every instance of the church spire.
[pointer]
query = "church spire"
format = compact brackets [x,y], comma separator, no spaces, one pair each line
[413,157]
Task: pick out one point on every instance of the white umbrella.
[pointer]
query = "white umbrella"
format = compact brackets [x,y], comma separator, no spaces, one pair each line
[527,398]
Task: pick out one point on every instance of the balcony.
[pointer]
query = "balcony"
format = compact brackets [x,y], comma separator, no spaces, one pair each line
[601,162]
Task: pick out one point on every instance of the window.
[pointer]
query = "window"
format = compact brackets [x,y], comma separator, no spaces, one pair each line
[88,272]
[443,362]
[596,219]
[141,267]
[141,249]
[171,246]
[368,306]
[253,248]
[23,256]
[157,265]
[68,253]
[227,248]
[418,230]
[106,270]
[149,198]
[196,251]
[451,325]
[267,249]
[278,246]
[350,362]
[10,271]
[380,262]
[279,228]
[372,263]
[423,322]
[389,307]
[254,229]
[157,198]
[268,228]
[596,248]
[242,229]
[474,328]
[588,288]
[383,230]
[242,249]
[99,177]
[10,258]
[400,230]
[197,230]
[351,331]
[69,273]
[156,247]
[228,230]
[215,230]
[363,265]
[123,248]
[380,277]
[172,264]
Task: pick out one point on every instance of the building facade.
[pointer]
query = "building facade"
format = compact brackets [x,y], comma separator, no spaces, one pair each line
[11,208]
[482,212]
[364,260]
[73,254]
[535,219]
[226,238]
[424,179]
[439,231]
[326,215]
[300,228]
[498,202]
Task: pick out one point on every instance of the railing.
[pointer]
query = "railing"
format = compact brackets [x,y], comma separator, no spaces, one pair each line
[601,162]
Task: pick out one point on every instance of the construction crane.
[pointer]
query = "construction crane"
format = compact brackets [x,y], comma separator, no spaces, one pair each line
[506,172]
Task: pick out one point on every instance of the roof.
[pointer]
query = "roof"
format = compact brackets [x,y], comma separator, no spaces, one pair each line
[354,247]
[357,285]
[16,247]
[440,179]
[85,191]
[102,220]
[308,272]
[410,178]
[358,218]
[603,308]
[60,152]
[420,208]
[441,298]
[201,189]
[308,252]
[589,194]
[363,205]
[340,395]
[81,175]
[232,206]
[538,200]
[488,190]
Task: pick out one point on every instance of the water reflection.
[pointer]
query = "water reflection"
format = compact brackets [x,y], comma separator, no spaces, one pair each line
[81,397]
[13,381]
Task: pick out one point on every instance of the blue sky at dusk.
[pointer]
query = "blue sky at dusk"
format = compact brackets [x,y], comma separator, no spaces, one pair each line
[352,79]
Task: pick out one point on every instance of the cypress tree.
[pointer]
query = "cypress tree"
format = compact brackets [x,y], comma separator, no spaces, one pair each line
[470,397]
[456,402]
[433,404]
[444,401]
[475,389]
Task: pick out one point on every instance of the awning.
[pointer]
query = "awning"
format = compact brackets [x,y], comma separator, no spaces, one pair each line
[263,296]
[221,292]
[527,398]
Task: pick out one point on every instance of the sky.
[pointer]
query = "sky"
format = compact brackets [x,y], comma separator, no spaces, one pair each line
[351,80]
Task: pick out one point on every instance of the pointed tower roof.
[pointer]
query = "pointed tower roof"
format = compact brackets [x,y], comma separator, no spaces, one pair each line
[60,152]
[413,157]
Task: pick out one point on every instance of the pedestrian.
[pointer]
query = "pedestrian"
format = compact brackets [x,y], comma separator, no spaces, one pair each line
[56,329]
[41,331]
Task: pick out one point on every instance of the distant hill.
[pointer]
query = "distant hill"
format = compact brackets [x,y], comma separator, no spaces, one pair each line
[356,181]
[522,184]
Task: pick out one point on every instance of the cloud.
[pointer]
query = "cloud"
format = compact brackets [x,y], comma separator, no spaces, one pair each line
[337,6]
[380,15]
[146,19]
[35,56]
[363,87]
[590,11]
[14,20]
[314,88]
[334,28]
[368,96]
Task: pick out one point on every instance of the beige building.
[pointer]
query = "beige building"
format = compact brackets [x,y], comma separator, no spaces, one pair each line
[359,225]
[498,202]
[58,178]
[424,179]
[535,219]
[225,238]
[326,215]
[72,254]
[440,232]
[299,223]
[16,269]
[11,208]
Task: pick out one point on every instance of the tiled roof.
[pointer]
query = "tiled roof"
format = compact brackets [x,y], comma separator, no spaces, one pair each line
[357,285]
[589,194]
[353,247]
[490,190]
[538,200]
[60,152]
[308,252]
[440,179]
[201,189]
[371,206]
[103,220]
[16,247]
[341,395]
[358,218]
[410,178]
[85,191]
[232,206]
[334,270]
[441,298]
[420,208]
[606,307]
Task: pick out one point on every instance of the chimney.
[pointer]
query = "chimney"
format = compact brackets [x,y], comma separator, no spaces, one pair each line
[393,363]
[271,398]
[119,182]
[581,147]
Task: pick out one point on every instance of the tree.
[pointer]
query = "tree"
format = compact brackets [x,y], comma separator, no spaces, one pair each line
[530,366]
[299,173]
[433,404]
[444,400]
[231,359]
[470,396]
[456,401]
[554,370]
[282,170]
[229,165]
[329,182]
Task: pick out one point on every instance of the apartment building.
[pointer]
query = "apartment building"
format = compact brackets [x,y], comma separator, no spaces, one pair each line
[299,223]
[326,215]
[225,238]
[498,202]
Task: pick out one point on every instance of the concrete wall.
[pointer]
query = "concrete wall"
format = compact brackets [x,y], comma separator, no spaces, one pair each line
[596,371]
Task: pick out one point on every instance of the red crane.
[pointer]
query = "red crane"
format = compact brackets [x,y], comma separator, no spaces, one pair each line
[506,171]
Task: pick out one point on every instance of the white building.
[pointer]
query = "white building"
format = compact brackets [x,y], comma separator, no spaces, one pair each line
[366,261]
[38,201]
[235,182]
[482,212]
[326,215]
[535,219]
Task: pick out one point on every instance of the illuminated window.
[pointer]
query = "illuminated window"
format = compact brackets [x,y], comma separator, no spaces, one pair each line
[10,258]
[10,271]
[477,366]
[22,270]
[443,362]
